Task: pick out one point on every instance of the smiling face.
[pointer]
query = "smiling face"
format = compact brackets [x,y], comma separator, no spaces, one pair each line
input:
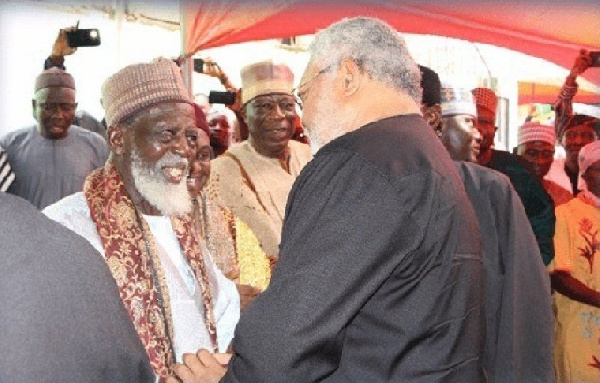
[270,120]
[200,162]
[54,110]
[323,116]
[155,154]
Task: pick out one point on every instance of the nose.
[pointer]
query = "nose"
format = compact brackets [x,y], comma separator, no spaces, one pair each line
[181,145]
[277,112]
[58,112]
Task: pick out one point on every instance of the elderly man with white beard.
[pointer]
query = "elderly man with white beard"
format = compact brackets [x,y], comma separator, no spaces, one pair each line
[136,212]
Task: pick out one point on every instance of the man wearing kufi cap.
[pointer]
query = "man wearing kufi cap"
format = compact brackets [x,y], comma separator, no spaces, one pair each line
[535,143]
[486,102]
[538,204]
[575,275]
[253,178]
[136,211]
[51,159]
[458,134]
[516,283]
[572,130]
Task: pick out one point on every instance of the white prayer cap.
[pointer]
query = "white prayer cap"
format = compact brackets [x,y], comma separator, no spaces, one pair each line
[587,156]
[457,100]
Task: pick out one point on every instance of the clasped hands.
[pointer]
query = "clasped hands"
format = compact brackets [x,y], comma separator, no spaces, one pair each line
[201,367]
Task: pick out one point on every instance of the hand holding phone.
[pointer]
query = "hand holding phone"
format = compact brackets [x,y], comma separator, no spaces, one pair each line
[83,38]
[60,46]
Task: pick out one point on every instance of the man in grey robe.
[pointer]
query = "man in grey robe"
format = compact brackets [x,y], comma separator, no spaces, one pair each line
[51,159]
[62,319]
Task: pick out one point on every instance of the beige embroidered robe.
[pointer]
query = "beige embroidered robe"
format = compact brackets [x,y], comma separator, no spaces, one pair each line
[255,188]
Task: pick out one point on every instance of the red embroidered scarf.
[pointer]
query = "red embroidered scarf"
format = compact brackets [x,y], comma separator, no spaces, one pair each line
[131,264]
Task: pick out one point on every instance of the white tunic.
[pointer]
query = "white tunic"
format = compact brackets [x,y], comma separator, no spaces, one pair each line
[185,294]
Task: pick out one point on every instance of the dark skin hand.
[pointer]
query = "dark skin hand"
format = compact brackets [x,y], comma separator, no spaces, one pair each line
[202,367]
[247,295]
[568,286]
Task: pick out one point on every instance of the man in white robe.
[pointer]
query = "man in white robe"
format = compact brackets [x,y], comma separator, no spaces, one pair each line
[136,212]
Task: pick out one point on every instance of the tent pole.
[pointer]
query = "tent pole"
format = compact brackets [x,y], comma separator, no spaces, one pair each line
[186,62]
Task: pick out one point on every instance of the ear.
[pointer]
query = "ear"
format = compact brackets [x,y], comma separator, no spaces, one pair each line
[33,106]
[351,76]
[116,139]
[243,112]
[436,115]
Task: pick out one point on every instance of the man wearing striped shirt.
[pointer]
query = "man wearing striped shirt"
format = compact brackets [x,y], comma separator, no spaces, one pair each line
[6,174]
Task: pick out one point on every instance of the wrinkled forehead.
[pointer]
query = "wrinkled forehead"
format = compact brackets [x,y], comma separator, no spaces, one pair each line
[55,94]
[273,97]
[167,110]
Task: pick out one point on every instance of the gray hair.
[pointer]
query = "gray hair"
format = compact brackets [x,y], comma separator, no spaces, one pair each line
[376,47]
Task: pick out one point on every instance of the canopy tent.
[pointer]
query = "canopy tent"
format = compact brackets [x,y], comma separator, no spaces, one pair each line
[554,31]
[531,92]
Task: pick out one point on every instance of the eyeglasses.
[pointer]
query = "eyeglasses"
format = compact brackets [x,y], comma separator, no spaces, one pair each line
[298,95]
[53,107]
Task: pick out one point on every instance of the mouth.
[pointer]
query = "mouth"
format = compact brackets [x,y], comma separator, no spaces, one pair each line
[174,174]
[280,133]
[56,129]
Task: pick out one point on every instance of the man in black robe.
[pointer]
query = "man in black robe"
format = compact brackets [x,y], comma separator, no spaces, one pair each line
[519,319]
[379,277]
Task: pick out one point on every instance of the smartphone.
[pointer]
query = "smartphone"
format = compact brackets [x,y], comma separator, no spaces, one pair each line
[595,55]
[227,98]
[83,38]
[198,65]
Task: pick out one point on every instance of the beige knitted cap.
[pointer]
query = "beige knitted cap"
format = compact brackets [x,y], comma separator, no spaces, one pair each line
[139,86]
[265,77]
[54,77]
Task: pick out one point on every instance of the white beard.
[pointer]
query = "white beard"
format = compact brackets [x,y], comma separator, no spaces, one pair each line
[168,198]
[328,123]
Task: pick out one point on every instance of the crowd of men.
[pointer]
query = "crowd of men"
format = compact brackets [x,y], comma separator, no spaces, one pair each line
[402,247]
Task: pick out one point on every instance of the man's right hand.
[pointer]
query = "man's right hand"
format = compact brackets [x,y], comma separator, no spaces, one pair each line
[247,294]
[202,367]
[61,46]
[582,62]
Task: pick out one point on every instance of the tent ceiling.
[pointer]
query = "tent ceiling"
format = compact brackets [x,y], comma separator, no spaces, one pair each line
[551,30]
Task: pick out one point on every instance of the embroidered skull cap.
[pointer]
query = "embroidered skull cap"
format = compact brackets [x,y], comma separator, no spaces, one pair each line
[139,86]
[265,77]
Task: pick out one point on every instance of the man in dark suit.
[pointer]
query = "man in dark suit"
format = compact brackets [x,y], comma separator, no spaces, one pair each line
[62,319]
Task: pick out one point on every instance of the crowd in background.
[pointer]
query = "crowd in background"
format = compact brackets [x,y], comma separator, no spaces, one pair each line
[359,227]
